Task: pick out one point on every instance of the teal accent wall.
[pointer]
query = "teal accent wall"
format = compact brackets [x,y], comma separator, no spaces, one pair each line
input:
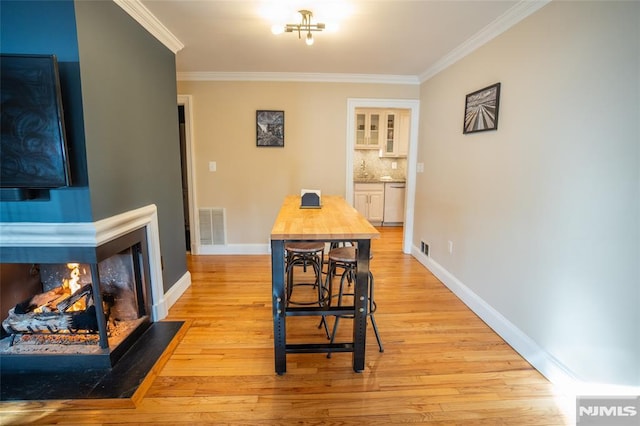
[49,27]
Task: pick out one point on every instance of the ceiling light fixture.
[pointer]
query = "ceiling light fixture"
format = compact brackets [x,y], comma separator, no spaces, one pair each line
[305,26]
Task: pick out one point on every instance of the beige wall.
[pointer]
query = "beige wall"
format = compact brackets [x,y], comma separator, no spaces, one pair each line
[251,182]
[544,212]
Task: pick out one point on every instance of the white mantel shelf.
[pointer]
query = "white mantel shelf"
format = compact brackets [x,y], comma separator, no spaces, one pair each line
[94,234]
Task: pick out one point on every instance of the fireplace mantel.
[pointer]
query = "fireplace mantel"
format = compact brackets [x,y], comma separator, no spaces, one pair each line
[16,238]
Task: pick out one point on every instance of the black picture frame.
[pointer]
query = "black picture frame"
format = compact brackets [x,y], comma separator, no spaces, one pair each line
[269,128]
[481,110]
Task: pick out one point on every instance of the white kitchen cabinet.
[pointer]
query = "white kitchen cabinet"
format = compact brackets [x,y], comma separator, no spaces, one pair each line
[368,129]
[396,142]
[368,199]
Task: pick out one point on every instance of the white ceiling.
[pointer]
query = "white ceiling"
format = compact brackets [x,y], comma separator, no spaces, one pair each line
[401,38]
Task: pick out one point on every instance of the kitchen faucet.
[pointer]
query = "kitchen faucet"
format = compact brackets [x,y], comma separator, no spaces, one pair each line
[363,168]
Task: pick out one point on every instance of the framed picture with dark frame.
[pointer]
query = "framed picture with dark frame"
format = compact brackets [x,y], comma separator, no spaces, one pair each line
[481,109]
[270,128]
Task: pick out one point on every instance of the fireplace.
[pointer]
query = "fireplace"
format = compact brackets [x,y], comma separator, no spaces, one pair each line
[77,295]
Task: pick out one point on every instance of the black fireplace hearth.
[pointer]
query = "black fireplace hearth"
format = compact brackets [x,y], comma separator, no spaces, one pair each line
[120,382]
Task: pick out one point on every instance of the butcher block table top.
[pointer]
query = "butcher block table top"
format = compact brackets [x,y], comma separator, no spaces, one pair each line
[335,220]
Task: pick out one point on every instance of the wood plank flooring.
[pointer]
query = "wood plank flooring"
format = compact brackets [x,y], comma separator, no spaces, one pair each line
[441,365]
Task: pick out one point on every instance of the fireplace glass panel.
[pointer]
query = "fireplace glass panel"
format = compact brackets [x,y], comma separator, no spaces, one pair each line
[43,316]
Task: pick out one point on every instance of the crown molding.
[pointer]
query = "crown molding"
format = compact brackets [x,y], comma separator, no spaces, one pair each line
[508,19]
[518,12]
[299,77]
[144,17]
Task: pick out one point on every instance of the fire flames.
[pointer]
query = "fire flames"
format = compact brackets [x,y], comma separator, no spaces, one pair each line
[73,285]
[67,289]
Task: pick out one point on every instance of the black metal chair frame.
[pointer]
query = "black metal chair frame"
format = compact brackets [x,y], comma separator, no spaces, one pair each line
[349,275]
[315,260]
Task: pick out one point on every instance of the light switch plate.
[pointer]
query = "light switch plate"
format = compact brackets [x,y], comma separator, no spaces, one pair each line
[212,166]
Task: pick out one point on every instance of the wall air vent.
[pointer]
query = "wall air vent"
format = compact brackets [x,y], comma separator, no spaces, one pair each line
[212,226]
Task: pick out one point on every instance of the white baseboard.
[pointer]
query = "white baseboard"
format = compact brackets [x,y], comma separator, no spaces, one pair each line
[161,310]
[556,372]
[235,249]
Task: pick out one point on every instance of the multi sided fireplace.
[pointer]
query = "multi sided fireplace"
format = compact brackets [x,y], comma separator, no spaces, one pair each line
[77,306]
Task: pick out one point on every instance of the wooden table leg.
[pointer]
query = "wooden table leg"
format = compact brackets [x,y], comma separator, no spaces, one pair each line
[278,306]
[361,304]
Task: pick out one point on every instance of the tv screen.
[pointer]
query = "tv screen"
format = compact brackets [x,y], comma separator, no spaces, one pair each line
[33,148]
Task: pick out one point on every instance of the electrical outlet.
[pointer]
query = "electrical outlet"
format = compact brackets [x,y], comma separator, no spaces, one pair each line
[212,166]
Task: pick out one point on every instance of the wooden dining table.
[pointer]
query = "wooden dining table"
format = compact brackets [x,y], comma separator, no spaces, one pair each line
[334,221]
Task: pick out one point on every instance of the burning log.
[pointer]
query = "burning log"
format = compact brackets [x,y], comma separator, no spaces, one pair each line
[45,322]
[42,299]
[68,302]
[55,316]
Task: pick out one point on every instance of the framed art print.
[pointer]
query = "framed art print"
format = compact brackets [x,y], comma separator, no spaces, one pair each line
[270,128]
[481,109]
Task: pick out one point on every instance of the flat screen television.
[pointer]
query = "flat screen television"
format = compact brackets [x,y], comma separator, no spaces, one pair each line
[33,148]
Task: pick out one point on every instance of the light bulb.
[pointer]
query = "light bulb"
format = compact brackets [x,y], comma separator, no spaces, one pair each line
[309,39]
[277,29]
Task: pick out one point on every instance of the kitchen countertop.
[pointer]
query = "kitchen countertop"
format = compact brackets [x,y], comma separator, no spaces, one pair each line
[377,180]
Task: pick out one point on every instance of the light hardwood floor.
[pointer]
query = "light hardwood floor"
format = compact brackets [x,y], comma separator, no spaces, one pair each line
[441,365]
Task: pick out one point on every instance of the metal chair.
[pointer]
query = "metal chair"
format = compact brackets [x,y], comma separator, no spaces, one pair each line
[346,258]
[307,255]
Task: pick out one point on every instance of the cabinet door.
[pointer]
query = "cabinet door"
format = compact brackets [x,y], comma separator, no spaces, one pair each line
[396,142]
[376,206]
[374,129]
[361,128]
[389,144]
[361,202]
[368,130]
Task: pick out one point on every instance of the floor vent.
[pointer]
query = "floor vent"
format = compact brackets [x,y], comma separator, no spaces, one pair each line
[212,225]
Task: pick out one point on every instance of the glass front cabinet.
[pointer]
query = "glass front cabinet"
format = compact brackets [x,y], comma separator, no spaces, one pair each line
[368,130]
[386,130]
[396,142]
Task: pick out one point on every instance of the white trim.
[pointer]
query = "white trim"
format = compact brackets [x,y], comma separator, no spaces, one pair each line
[540,359]
[93,234]
[299,77]
[548,365]
[27,234]
[502,23]
[149,22]
[410,194]
[194,226]
[177,290]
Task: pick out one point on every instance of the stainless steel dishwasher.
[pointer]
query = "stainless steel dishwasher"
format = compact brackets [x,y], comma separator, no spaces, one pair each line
[393,203]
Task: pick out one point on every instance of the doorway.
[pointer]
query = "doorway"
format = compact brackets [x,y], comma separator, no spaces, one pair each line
[188,181]
[185,180]
[414,107]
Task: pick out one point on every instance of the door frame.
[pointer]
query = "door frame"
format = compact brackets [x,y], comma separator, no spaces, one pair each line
[194,226]
[410,195]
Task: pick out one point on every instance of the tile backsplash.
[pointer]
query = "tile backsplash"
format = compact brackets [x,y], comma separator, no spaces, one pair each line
[376,166]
